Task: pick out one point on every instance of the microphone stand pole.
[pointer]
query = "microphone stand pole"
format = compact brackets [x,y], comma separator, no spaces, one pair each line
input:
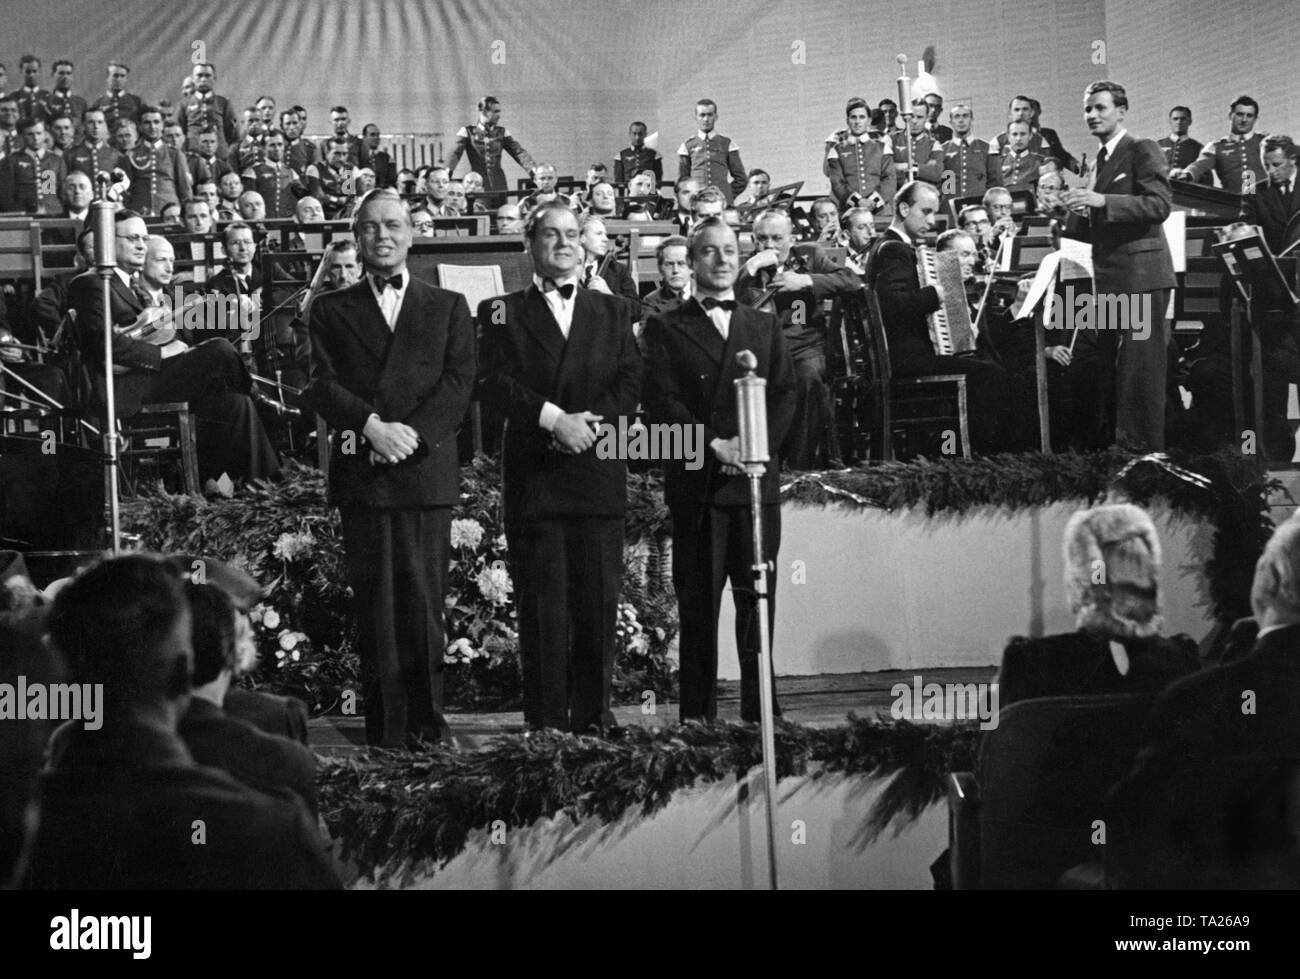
[751,404]
[102,214]
[905,110]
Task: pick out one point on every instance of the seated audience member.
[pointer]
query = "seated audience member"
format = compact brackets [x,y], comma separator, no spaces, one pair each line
[708,203]
[1178,827]
[644,187]
[510,220]
[473,185]
[546,179]
[229,189]
[455,197]
[118,808]
[684,192]
[252,207]
[206,190]
[407,183]
[615,277]
[261,761]
[197,217]
[1112,572]
[602,200]
[308,210]
[674,277]
[76,197]
[760,181]
[171,215]
[422,221]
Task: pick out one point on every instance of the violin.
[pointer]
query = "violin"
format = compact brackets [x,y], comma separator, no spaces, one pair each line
[794,263]
[155,325]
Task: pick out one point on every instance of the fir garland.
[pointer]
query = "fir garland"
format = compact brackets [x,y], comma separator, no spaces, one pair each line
[399,813]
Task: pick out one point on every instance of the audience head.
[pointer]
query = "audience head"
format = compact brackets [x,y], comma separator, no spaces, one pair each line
[159,262]
[197,216]
[252,207]
[213,626]
[509,220]
[231,187]
[545,178]
[436,184]
[132,240]
[422,223]
[207,191]
[456,196]
[642,185]
[308,210]
[670,255]
[77,191]
[1280,154]
[240,245]
[1112,571]
[709,202]
[473,183]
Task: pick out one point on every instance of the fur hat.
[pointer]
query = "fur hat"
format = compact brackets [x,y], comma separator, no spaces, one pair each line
[1112,571]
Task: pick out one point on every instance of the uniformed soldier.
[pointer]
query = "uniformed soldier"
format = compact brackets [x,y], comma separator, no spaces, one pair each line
[117,102]
[205,165]
[60,101]
[249,151]
[483,143]
[279,185]
[11,140]
[341,120]
[437,184]
[299,153]
[1180,149]
[966,165]
[31,97]
[206,109]
[95,154]
[332,182]
[30,179]
[933,109]
[858,165]
[1044,142]
[929,152]
[159,174]
[711,158]
[637,157]
[63,134]
[1237,159]
[1016,167]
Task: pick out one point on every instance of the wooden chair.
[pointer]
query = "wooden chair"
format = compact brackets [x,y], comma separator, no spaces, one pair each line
[903,404]
[20,251]
[157,434]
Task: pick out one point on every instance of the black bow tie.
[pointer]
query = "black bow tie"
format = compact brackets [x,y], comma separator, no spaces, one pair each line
[708,302]
[565,291]
[381,281]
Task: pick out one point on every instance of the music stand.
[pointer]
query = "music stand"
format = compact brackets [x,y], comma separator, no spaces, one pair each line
[782,196]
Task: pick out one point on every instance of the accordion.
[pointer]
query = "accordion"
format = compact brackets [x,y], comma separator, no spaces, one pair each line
[951,331]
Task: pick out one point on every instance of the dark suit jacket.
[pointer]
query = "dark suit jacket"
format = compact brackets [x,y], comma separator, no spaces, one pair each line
[1129,252]
[1280,221]
[261,761]
[802,318]
[659,301]
[421,373]
[690,382]
[85,295]
[1080,664]
[118,812]
[904,304]
[526,363]
[619,279]
[272,713]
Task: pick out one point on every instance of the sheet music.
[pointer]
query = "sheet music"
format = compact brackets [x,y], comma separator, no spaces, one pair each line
[1175,228]
[475,282]
[1076,259]
[1044,280]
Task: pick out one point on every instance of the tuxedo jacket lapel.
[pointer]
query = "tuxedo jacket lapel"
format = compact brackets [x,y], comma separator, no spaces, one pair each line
[697,326]
[402,348]
[366,320]
[540,323]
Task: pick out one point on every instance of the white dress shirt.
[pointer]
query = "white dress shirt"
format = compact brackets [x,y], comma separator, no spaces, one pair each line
[721,317]
[562,310]
[390,299]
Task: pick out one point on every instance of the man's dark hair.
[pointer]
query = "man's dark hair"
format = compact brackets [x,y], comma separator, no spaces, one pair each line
[126,214]
[150,110]
[1181,108]
[62,61]
[286,112]
[339,108]
[212,631]
[707,224]
[964,215]
[486,101]
[1117,93]
[637,122]
[700,102]
[1244,100]
[116,624]
[541,210]
[27,122]
[236,226]
[672,241]
[272,132]
[856,102]
[28,59]
[756,172]
[1020,98]
[1284,143]
[884,102]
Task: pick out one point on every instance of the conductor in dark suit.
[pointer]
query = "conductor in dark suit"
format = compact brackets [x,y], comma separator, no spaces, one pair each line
[210,376]
[559,361]
[691,353]
[392,370]
[1122,216]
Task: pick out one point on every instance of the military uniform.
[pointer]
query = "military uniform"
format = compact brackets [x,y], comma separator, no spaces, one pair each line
[929,156]
[248,152]
[31,102]
[632,161]
[11,143]
[1231,157]
[1045,143]
[63,103]
[301,153]
[205,168]
[331,187]
[119,105]
[354,148]
[158,177]
[710,158]
[1015,171]
[279,186]
[483,145]
[31,183]
[968,161]
[939,131]
[858,167]
[90,160]
[200,111]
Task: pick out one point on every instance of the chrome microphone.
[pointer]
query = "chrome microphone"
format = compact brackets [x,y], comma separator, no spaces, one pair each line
[751,407]
[103,219]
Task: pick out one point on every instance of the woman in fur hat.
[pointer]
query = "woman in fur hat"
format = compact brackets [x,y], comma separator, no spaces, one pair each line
[1112,570]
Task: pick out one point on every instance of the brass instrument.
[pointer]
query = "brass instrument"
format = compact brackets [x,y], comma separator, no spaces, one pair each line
[951,331]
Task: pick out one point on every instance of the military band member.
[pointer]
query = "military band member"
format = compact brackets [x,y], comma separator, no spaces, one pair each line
[933,109]
[1052,148]
[229,189]
[1234,156]
[204,163]
[30,180]
[437,185]
[174,135]
[265,106]
[1044,142]
[31,97]
[11,139]
[168,173]
[117,103]
[483,143]
[249,151]
[858,165]
[710,157]
[637,157]
[300,153]
[965,158]
[1180,149]
[340,120]
[278,184]
[331,182]
[96,154]
[929,152]
[378,160]
[1016,165]
[63,135]
[206,109]
[60,100]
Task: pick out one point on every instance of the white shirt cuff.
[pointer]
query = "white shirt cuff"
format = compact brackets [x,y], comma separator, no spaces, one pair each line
[550,415]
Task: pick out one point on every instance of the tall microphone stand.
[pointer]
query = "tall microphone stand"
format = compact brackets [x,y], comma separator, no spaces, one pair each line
[751,405]
[905,110]
[102,215]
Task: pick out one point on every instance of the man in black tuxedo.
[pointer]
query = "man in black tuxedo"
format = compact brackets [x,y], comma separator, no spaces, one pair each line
[392,369]
[559,361]
[1242,713]
[1122,216]
[119,805]
[905,304]
[210,376]
[674,277]
[796,297]
[691,353]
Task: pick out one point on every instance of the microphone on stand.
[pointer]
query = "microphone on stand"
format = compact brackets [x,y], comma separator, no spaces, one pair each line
[751,401]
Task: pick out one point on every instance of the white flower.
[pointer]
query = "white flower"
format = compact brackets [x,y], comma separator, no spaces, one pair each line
[271,619]
[255,614]
[295,655]
[499,542]
[495,584]
[466,533]
[288,640]
[461,650]
[291,547]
